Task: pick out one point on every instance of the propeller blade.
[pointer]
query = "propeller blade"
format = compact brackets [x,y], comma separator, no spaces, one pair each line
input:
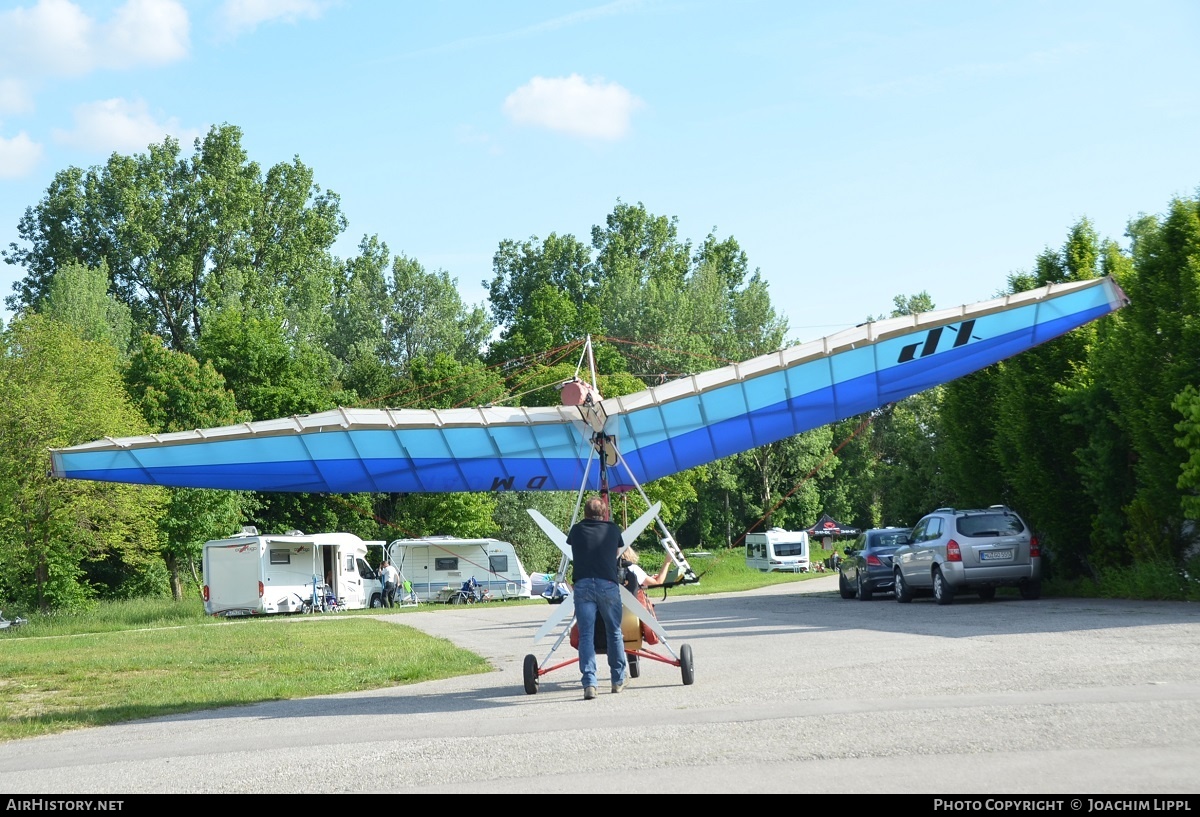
[636,607]
[556,536]
[635,530]
[565,609]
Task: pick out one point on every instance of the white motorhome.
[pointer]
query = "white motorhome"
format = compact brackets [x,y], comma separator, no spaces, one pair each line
[778,550]
[436,566]
[251,574]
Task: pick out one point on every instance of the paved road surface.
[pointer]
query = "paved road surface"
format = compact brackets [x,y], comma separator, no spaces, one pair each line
[797,690]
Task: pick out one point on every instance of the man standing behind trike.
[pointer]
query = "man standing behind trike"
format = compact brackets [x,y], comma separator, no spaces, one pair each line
[595,545]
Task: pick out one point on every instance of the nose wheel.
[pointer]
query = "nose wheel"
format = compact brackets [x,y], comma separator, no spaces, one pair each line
[531,675]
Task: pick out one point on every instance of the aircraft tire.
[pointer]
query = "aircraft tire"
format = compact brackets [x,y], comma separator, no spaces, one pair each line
[687,665]
[531,674]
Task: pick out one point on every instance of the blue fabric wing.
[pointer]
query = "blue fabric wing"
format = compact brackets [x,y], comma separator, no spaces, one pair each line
[659,431]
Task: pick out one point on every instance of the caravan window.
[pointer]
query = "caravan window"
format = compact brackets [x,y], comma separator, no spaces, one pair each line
[498,564]
[350,563]
[789,548]
[281,557]
[445,563]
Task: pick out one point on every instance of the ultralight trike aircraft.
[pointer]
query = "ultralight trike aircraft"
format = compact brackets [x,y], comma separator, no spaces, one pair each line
[652,433]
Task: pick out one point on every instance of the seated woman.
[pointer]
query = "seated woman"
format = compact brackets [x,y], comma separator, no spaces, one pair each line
[637,577]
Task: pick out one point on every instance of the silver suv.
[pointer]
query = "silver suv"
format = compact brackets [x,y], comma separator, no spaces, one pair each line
[953,551]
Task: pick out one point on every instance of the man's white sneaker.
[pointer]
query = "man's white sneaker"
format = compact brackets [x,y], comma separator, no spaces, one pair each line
[589,693]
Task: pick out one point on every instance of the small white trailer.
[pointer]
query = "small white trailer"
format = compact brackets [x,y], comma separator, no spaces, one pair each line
[437,566]
[778,550]
[251,574]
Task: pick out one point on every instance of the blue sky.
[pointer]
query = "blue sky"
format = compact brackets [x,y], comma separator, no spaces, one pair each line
[856,150]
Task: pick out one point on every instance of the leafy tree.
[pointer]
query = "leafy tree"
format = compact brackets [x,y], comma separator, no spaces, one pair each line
[360,311]
[1187,403]
[181,235]
[541,296]
[62,390]
[1148,358]
[428,318]
[176,393]
[1036,441]
[276,373]
[513,523]
[465,515]
[78,296]
[886,463]
[520,268]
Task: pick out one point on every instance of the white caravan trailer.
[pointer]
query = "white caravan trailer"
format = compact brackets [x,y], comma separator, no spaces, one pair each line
[778,550]
[251,574]
[438,565]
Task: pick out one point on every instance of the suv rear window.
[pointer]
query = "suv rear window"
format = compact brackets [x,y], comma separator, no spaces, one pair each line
[989,524]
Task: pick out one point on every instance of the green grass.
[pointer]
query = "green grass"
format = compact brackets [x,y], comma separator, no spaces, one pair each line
[53,680]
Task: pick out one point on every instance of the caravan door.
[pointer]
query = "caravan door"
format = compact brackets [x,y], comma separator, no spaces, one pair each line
[414,563]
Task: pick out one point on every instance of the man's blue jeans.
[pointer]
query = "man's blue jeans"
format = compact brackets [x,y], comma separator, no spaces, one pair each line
[597,597]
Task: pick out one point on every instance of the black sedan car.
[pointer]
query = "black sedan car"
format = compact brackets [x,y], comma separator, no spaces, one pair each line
[867,565]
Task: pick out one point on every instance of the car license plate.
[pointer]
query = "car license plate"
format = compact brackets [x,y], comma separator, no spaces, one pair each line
[995,555]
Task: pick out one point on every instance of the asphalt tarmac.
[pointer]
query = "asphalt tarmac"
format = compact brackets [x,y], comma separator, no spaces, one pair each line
[796,690]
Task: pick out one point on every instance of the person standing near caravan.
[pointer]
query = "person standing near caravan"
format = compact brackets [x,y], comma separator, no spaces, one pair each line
[389,575]
[595,545]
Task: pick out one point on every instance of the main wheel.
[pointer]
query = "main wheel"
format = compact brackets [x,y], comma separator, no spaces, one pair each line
[864,588]
[376,601]
[903,591]
[844,588]
[531,675]
[943,593]
[686,664]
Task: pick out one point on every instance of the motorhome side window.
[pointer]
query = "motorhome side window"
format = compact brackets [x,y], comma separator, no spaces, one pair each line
[498,564]
[349,563]
[445,563]
[281,557]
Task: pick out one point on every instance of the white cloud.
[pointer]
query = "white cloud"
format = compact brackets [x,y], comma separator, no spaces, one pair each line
[595,109]
[14,97]
[151,32]
[246,15]
[18,156]
[57,38]
[54,37]
[117,125]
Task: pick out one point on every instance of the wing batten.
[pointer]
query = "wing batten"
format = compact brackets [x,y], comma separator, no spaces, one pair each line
[660,431]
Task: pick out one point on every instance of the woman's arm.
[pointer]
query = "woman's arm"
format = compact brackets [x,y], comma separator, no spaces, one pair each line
[658,579]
